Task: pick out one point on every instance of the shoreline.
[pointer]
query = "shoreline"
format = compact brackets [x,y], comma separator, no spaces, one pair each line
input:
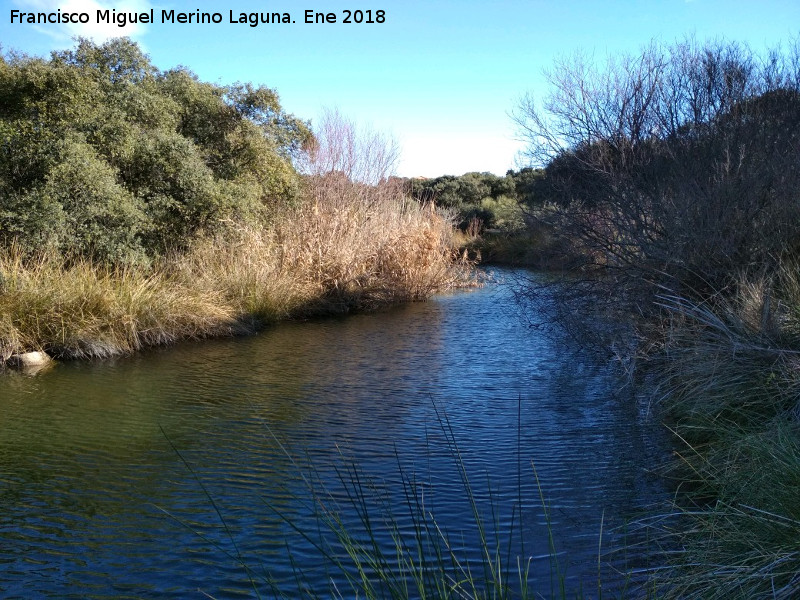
[316,260]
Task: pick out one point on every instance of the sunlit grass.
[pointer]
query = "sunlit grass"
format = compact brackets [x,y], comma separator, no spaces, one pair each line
[83,310]
[337,252]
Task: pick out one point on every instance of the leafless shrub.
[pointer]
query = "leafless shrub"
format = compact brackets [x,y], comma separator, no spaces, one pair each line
[341,147]
[673,169]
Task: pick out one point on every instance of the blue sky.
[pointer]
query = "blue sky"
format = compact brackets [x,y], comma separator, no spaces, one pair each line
[439,76]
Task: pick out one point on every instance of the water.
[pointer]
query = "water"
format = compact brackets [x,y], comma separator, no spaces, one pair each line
[161,475]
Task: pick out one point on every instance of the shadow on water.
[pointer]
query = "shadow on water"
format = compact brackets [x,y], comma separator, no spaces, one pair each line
[87,476]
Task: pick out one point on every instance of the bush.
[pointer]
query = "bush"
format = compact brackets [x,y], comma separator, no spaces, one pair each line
[102,220]
[676,167]
[103,156]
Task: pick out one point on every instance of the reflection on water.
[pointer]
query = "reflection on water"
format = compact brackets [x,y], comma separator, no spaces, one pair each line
[107,470]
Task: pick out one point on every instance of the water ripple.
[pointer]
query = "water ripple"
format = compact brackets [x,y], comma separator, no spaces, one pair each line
[113,475]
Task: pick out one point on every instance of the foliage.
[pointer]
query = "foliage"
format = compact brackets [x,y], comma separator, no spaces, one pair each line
[674,167]
[729,379]
[348,246]
[485,198]
[103,156]
[674,175]
[322,259]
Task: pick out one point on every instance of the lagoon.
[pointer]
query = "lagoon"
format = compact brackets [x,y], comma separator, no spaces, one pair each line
[177,472]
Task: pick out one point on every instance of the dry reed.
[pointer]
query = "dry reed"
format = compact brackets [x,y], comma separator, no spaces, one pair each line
[349,246]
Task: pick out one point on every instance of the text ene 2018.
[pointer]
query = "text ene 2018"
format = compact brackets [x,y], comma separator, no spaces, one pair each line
[349,16]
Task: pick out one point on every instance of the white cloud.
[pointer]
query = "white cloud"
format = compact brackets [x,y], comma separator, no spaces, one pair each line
[99,32]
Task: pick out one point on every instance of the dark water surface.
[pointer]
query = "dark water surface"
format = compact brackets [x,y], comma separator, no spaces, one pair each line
[113,475]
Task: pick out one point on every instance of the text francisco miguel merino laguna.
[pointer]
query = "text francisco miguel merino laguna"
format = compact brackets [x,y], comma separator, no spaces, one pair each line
[122,18]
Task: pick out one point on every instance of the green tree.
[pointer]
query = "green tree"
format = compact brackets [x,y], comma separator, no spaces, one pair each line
[103,155]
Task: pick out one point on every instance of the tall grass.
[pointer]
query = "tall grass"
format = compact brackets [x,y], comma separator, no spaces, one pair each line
[730,379]
[85,310]
[339,251]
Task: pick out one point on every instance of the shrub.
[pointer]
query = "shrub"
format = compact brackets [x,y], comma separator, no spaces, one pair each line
[101,220]
[98,138]
[675,167]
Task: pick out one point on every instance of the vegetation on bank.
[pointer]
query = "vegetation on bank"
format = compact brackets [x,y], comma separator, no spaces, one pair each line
[729,378]
[312,260]
[493,214]
[140,207]
[104,157]
[673,176]
[480,200]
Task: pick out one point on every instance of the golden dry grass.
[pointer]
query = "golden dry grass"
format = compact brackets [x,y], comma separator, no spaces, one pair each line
[347,247]
[83,310]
